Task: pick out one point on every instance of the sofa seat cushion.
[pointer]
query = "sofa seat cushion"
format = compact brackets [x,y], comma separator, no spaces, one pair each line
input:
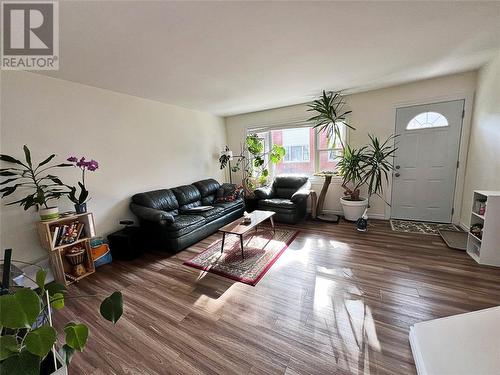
[184,224]
[209,215]
[230,206]
[277,203]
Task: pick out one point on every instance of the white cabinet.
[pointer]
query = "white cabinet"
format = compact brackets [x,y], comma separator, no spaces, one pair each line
[485,247]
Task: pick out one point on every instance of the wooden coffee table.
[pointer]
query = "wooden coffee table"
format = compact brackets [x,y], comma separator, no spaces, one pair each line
[237,227]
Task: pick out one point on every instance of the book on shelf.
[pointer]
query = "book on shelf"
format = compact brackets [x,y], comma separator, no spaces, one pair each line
[66,234]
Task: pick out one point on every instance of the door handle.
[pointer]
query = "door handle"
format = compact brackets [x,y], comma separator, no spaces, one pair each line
[397,174]
[398,166]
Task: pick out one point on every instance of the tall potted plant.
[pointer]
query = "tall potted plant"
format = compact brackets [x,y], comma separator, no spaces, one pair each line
[367,166]
[80,199]
[254,162]
[33,178]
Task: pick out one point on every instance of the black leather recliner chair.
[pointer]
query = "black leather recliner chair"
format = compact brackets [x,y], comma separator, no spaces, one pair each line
[287,196]
[166,222]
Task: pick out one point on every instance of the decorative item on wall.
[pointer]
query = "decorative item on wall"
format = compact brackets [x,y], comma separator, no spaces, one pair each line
[254,162]
[41,186]
[80,201]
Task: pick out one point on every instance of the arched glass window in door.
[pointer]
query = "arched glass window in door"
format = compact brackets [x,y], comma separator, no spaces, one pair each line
[427,120]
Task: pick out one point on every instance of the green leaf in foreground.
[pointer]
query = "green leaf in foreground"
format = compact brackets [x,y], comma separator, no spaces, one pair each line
[23,363]
[76,335]
[40,340]
[54,288]
[40,280]
[66,353]
[57,301]
[8,346]
[112,307]
[19,310]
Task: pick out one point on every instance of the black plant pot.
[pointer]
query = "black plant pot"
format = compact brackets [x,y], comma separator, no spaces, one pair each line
[81,208]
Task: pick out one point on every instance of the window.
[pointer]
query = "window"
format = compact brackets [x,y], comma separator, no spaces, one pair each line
[307,151]
[427,120]
[297,145]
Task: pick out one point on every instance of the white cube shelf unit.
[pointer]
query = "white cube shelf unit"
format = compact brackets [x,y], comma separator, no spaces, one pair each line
[485,249]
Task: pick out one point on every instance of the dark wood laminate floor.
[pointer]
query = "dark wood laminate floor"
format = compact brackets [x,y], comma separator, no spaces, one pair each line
[337,301]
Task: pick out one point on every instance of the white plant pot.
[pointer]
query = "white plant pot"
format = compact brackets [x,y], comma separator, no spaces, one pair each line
[50,213]
[353,210]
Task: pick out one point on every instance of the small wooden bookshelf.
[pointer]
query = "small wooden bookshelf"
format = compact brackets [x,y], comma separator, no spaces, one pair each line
[74,230]
[485,248]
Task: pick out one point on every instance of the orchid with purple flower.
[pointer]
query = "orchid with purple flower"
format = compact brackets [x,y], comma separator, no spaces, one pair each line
[84,165]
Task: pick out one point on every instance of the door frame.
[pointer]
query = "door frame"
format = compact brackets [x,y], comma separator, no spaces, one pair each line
[463,147]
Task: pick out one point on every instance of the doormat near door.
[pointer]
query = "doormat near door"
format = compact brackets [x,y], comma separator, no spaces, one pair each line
[261,249]
[454,239]
[421,227]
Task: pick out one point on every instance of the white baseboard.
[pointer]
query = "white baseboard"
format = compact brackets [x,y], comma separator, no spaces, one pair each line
[370,216]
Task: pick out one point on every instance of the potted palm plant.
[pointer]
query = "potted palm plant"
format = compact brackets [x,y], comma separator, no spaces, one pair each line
[41,186]
[367,166]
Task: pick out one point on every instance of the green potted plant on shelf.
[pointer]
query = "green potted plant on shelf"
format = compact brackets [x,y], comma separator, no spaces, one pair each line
[40,186]
[80,199]
[28,341]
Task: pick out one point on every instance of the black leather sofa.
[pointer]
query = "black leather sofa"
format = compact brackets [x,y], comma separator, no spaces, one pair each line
[287,196]
[166,223]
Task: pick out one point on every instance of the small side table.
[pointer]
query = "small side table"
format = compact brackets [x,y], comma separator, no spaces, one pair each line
[321,201]
[125,244]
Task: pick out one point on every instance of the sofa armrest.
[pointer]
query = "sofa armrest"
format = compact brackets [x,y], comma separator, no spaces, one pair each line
[302,193]
[264,192]
[151,214]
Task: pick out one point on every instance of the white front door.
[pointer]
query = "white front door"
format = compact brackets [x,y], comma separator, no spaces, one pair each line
[426,161]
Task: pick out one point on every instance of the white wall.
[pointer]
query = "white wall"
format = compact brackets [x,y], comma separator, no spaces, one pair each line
[140,144]
[373,112]
[483,163]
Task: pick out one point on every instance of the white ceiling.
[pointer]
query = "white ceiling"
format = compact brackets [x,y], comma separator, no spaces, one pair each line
[235,57]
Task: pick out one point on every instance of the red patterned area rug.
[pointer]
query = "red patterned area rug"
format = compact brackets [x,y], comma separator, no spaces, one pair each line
[261,249]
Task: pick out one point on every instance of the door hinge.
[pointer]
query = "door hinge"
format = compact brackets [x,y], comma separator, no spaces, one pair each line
[458,164]
[453,210]
[463,113]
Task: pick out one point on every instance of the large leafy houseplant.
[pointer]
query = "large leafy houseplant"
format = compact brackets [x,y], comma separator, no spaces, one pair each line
[28,339]
[40,186]
[254,162]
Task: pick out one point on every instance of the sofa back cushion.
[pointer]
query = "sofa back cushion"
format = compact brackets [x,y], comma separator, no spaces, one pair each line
[208,190]
[188,196]
[285,185]
[163,199]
